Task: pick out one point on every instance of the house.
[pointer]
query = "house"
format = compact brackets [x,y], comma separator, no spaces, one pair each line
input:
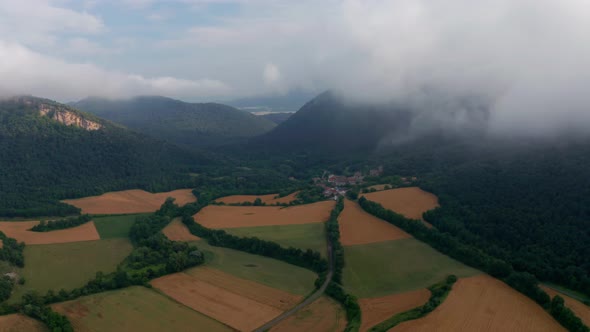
[338,180]
[377,171]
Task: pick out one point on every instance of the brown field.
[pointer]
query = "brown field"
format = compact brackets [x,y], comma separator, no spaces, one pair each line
[20,231]
[411,202]
[377,309]
[223,304]
[482,303]
[359,227]
[19,323]
[323,315]
[580,309]
[177,231]
[268,199]
[214,216]
[129,201]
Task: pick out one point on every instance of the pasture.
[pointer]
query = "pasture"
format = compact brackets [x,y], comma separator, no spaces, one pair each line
[378,309]
[305,236]
[69,265]
[263,270]
[20,323]
[411,202]
[385,268]
[360,227]
[129,201]
[215,216]
[134,309]
[482,303]
[177,231]
[323,315]
[110,227]
[239,303]
[20,230]
[268,199]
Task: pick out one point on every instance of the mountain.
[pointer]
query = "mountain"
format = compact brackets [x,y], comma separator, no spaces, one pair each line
[277,118]
[51,151]
[275,103]
[186,124]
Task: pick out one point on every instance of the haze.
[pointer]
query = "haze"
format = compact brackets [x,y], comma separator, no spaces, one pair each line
[527,61]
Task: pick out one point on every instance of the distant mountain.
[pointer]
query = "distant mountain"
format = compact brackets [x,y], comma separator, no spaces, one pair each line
[51,151]
[187,124]
[276,103]
[277,118]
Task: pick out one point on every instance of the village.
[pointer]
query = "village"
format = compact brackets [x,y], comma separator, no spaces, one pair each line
[338,185]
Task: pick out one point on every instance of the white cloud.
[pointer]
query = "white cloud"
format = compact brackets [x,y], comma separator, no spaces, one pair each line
[271,74]
[26,72]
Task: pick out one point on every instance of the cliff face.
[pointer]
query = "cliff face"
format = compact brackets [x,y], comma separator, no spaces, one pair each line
[67,117]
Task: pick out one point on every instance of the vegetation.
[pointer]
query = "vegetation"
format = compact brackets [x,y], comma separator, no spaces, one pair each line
[52,225]
[523,282]
[383,268]
[34,306]
[44,161]
[305,236]
[565,316]
[438,292]
[12,251]
[109,227]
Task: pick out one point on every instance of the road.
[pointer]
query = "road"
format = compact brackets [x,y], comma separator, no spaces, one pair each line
[308,300]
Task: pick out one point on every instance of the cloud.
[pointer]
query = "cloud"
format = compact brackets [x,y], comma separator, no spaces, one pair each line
[26,72]
[271,74]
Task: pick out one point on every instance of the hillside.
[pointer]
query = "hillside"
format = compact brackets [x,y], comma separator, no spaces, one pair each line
[51,151]
[277,118]
[187,124]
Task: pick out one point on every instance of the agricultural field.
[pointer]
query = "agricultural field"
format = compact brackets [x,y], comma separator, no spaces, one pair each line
[214,216]
[20,230]
[177,231]
[69,265]
[215,294]
[129,201]
[360,227]
[378,309]
[268,199]
[20,323]
[411,202]
[482,303]
[110,227]
[390,267]
[134,309]
[378,187]
[580,309]
[323,315]
[305,236]
[263,270]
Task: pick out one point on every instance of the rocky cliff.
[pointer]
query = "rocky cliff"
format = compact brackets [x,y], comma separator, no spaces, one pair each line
[67,117]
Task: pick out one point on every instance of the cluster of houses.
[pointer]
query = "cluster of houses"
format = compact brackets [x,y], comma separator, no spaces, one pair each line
[333,187]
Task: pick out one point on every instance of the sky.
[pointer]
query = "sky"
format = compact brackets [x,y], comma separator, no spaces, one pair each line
[529,59]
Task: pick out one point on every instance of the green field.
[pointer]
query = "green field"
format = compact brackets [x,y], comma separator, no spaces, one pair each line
[306,236]
[396,266]
[135,309]
[110,227]
[69,265]
[267,271]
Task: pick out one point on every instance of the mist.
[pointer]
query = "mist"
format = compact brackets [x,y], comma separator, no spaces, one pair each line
[525,63]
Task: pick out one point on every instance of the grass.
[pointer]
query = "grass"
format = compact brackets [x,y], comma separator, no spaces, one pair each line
[306,236]
[110,227]
[266,271]
[135,309]
[69,265]
[390,267]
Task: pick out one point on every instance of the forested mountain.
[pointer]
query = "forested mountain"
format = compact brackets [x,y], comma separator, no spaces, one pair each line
[187,124]
[51,151]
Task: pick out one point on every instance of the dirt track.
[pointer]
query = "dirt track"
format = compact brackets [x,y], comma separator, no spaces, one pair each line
[359,227]
[20,231]
[214,216]
[482,303]
[129,201]
[377,309]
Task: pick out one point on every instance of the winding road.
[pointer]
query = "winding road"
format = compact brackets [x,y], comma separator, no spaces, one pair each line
[310,299]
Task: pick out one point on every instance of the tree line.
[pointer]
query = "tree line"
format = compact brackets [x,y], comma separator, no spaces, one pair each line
[523,282]
[52,225]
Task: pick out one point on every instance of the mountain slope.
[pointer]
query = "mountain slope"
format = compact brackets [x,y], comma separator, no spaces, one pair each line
[51,151]
[278,118]
[187,124]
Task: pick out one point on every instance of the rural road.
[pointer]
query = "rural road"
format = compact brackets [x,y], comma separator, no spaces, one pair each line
[308,300]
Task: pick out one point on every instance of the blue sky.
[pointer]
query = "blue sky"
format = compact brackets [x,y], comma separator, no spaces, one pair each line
[528,58]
